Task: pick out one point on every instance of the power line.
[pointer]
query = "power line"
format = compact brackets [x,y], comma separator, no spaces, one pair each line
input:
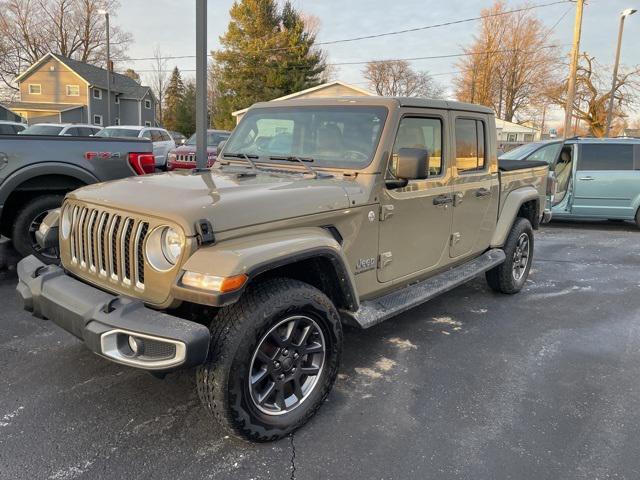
[386,34]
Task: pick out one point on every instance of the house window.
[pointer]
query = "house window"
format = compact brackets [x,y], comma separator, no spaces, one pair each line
[117,100]
[512,137]
[97,94]
[97,119]
[528,137]
[73,90]
[147,124]
[117,121]
[35,89]
[147,104]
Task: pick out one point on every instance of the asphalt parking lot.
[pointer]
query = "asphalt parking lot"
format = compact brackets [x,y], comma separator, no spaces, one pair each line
[474,385]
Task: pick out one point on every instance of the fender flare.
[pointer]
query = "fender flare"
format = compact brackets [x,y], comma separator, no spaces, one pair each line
[509,212]
[261,253]
[18,177]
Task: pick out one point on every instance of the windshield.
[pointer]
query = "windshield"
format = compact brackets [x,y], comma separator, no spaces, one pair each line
[42,130]
[118,132]
[213,138]
[523,151]
[340,137]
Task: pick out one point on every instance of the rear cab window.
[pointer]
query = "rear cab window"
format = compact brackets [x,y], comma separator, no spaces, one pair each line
[471,145]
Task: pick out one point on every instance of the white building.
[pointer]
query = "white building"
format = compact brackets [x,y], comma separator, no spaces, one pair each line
[515,133]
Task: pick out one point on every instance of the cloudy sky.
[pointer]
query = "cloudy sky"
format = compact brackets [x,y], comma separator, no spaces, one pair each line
[170,24]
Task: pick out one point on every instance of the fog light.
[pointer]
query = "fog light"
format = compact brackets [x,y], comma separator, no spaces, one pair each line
[136,345]
[213,283]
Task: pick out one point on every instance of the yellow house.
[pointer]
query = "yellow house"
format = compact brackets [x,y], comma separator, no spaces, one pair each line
[336,88]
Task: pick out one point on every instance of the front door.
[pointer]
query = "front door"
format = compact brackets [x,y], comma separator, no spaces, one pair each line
[475,186]
[416,219]
[606,184]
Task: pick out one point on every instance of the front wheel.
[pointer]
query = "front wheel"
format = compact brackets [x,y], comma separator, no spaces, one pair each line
[511,276]
[274,358]
[27,223]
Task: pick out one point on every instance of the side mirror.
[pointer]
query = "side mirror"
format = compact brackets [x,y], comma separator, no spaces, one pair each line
[221,146]
[412,164]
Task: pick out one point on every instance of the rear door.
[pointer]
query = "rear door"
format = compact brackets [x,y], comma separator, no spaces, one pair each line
[475,185]
[416,219]
[606,182]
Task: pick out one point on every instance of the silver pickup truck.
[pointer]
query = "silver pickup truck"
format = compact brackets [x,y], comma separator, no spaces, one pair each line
[37,172]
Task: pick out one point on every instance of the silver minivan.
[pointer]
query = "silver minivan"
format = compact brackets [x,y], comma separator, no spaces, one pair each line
[163,143]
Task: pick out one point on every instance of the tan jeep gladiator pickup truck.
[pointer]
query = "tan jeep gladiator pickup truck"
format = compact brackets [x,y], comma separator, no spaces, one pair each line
[318,213]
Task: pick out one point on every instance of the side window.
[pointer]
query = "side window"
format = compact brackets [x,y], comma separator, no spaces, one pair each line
[72,132]
[471,145]
[547,154]
[610,156]
[6,129]
[156,136]
[165,136]
[146,134]
[423,133]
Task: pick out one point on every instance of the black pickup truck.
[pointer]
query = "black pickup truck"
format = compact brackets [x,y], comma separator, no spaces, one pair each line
[37,172]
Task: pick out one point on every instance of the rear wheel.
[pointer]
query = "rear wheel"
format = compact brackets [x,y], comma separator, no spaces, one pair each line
[638,218]
[511,276]
[274,358]
[26,224]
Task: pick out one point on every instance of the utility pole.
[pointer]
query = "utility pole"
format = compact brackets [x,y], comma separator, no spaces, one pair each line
[106,18]
[623,15]
[201,86]
[573,69]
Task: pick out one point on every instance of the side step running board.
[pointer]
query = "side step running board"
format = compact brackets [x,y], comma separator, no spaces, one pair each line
[372,312]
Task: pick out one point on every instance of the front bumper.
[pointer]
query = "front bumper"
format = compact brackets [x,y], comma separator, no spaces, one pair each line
[120,329]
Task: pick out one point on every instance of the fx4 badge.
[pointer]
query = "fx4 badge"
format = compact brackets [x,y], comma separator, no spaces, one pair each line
[365,264]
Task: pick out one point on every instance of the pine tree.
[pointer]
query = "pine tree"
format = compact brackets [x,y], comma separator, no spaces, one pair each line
[173,97]
[186,112]
[267,53]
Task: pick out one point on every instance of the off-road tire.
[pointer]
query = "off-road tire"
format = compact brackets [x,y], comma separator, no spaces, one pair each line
[638,218]
[236,331]
[21,237]
[501,278]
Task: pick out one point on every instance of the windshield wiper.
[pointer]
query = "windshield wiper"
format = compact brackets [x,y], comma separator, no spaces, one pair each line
[301,161]
[246,157]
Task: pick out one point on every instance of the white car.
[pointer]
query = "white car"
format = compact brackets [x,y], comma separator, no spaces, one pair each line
[61,129]
[163,143]
[11,128]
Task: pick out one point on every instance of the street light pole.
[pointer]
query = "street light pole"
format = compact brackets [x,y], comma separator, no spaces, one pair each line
[623,15]
[571,86]
[106,17]
[201,85]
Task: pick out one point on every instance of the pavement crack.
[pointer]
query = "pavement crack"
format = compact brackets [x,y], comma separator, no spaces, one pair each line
[293,458]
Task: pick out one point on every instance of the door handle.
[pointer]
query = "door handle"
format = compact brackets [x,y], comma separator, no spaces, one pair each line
[443,200]
[587,179]
[483,192]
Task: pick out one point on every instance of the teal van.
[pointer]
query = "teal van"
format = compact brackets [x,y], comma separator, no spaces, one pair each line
[597,178]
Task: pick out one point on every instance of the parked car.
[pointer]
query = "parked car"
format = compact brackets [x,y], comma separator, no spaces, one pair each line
[179,138]
[596,178]
[185,156]
[248,270]
[11,128]
[62,129]
[162,141]
[36,173]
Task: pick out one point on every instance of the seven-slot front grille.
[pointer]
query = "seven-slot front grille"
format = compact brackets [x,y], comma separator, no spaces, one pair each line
[109,245]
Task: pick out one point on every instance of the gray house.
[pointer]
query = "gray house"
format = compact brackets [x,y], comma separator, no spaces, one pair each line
[8,115]
[59,89]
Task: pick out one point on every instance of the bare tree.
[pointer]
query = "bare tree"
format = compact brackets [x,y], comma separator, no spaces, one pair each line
[159,78]
[593,93]
[29,29]
[509,64]
[396,78]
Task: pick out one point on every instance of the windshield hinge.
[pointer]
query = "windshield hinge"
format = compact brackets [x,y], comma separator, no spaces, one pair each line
[386,211]
[204,230]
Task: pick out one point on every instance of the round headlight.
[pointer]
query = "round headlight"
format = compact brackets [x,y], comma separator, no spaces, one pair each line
[65,222]
[172,244]
[164,247]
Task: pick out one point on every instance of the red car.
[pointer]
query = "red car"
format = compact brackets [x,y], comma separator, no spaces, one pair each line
[184,156]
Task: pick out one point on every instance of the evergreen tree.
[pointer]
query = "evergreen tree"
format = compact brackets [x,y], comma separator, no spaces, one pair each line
[173,97]
[267,53]
[186,112]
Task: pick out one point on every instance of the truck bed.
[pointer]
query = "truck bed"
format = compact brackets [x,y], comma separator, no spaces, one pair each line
[516,174]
